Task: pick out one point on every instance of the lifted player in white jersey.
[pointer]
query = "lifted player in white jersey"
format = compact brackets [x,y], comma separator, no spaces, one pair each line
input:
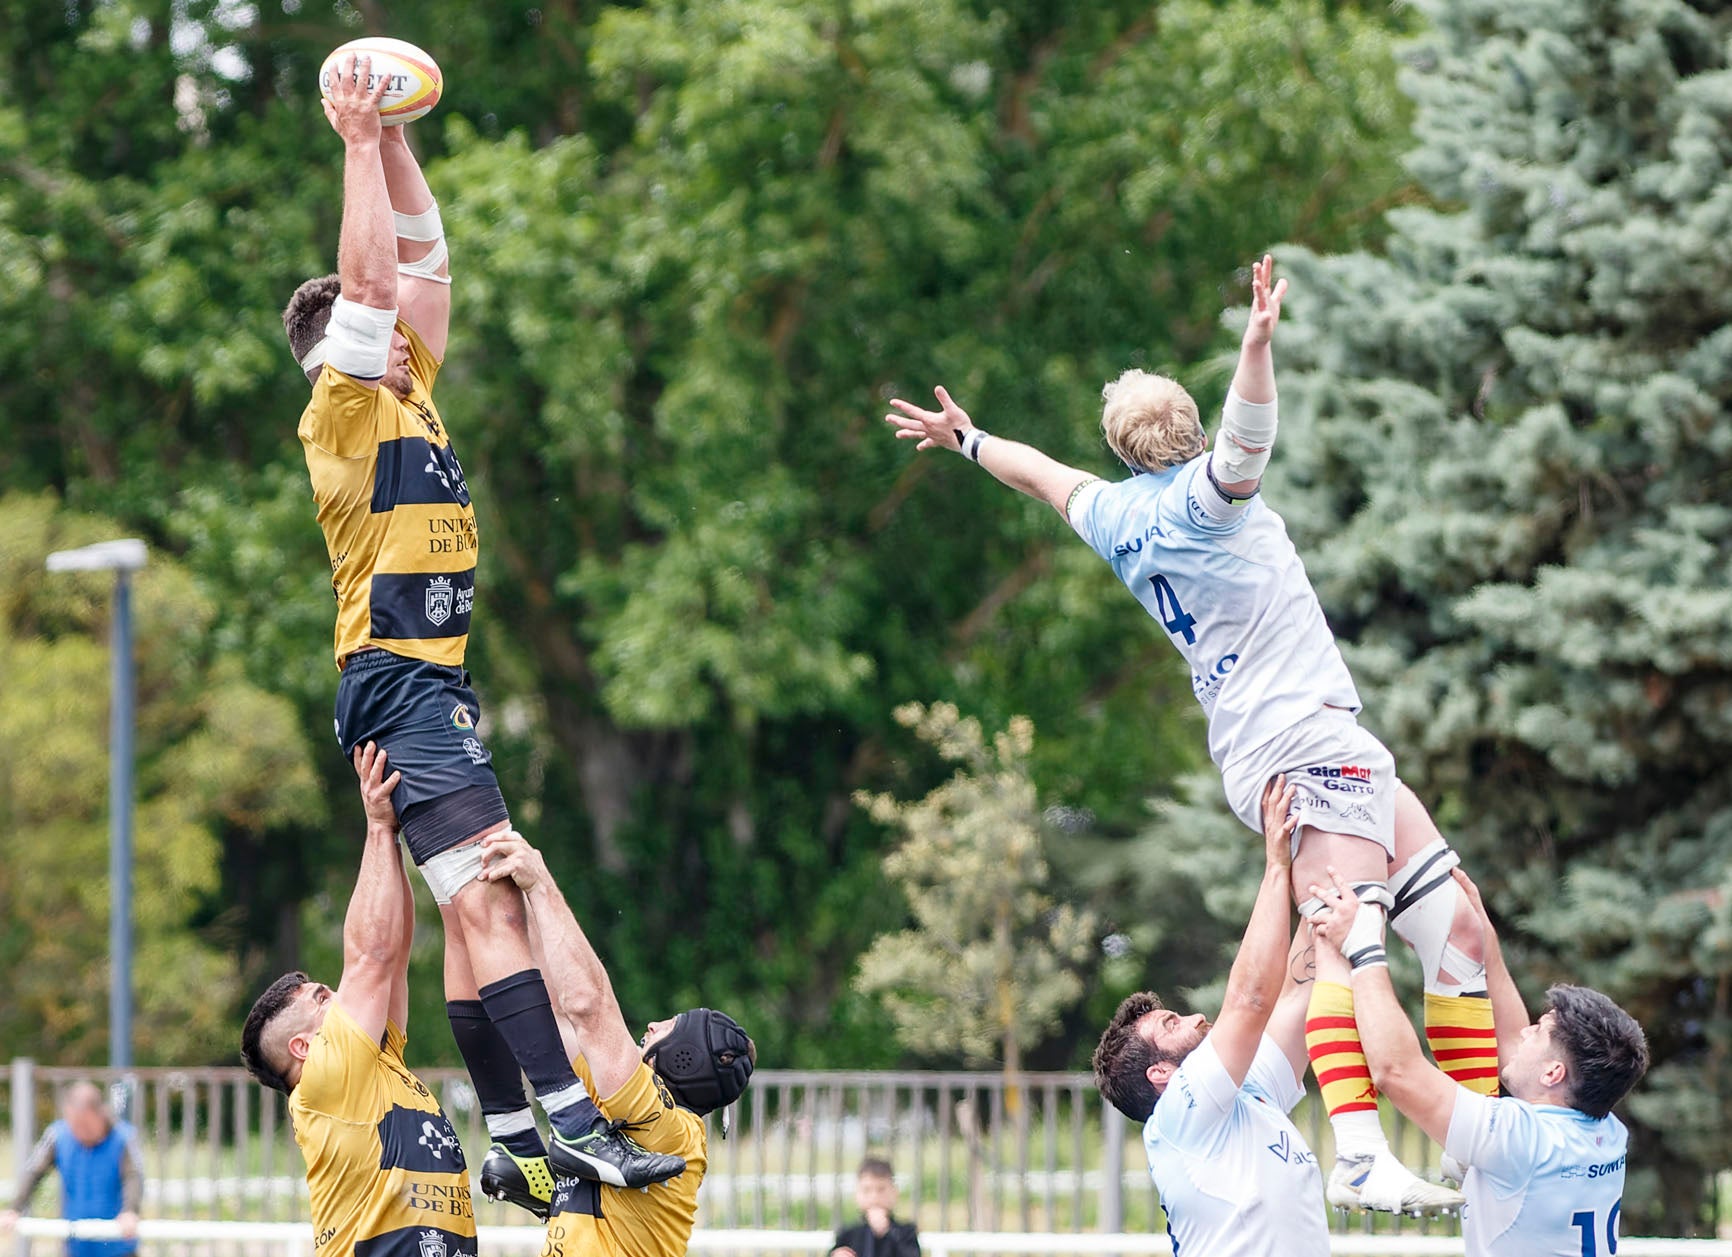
[1545,1162]
[1212,563]
[1235,1175]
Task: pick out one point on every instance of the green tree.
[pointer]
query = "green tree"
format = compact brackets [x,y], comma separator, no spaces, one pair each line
[1507,458]
[218,760]
[695,245]
[991,963]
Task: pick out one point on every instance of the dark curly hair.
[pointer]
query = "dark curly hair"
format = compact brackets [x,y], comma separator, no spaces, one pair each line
[278,996]
[1124,1055]
[308,313]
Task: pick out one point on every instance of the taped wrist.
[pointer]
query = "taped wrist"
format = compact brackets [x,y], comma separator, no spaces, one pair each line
[421,228]
[357,342]
[1247,435]
[972,440]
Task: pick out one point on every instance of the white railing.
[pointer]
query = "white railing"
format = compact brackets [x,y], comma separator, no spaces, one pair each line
[293,1239]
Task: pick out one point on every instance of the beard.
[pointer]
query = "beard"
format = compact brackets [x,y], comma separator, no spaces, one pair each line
[398,380]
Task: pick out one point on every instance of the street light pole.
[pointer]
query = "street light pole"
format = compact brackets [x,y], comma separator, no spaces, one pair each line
[123,558]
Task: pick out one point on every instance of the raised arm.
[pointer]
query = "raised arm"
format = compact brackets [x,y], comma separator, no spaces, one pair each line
[1020,466]
[1509,1012]
[378,929]
[366,309]
[1247,431]
[1399,1067]
[576,979]
[1287,1023]
[1255,980]
[423,269]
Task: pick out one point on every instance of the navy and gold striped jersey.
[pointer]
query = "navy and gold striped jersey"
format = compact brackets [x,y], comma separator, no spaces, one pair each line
[395,511]
[593,1220]
[384,1168]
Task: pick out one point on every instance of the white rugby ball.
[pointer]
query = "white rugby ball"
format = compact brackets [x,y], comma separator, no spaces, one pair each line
[413,85]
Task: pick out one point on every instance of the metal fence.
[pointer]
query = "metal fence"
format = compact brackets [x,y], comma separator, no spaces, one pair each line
[1043,1155]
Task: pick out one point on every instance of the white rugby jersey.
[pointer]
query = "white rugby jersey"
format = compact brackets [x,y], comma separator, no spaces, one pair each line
[1542,1181]
[1235,1176]
[1233,596]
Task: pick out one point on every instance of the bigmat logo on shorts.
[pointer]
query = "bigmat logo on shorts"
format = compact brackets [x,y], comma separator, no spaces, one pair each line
[1346,779]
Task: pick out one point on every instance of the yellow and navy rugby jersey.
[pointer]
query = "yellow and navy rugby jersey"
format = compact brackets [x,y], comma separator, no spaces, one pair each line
[395,511]
[592,1220]
[384,1167]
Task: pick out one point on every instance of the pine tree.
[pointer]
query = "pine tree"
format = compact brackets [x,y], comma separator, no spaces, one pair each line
[1507,459]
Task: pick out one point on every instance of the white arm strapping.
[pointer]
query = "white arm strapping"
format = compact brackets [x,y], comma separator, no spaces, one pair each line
[423,227]
[358,342]
[1242,445]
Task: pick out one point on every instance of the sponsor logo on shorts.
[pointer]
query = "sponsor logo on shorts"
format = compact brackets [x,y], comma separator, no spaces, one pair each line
[441,597]
[1358,812]
[475,751]
[1346,779]
[461,717]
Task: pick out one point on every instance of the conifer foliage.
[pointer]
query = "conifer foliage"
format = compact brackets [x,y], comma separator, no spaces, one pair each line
[1508,459]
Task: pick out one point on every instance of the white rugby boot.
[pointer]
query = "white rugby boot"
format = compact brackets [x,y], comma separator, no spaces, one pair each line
[1383,1184]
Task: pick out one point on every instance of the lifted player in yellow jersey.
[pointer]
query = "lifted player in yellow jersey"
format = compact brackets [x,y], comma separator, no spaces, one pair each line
[400,530]
[384,1169]
[661,1087]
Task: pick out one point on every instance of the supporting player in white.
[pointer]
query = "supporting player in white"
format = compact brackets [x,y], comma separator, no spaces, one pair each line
[1545,1162]
[1192,539]
[1235,1175]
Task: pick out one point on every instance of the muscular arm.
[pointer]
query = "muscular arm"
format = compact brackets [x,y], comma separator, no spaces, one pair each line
[379,926]
[1509,1012]
[397,1008]
[576,979]
[424,304]
[367,245]
[1398,1065]
[1255,981]
[1253,383]
[1287,1023]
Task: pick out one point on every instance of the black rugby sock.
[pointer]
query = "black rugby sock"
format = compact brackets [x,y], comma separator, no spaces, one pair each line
[522,1013]
[498,1081]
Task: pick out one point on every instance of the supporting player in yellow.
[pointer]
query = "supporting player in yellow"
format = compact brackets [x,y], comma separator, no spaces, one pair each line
[384,1169]
[659,1087]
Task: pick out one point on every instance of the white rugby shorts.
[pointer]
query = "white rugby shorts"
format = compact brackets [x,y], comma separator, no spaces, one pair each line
[1346,778]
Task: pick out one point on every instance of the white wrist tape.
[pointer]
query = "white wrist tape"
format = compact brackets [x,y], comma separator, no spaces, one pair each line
[972,440]
[423,227]
[358,341]
[1247,435]
[1363,945]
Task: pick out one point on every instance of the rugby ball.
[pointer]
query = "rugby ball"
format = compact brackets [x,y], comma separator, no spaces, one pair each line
[413,82]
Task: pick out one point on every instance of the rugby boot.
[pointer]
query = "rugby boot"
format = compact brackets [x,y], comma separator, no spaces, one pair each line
[1383,1184]
[607,1155]
[1454,1172]
[526,1182]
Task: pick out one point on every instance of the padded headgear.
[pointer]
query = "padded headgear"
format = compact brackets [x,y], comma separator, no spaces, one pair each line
[691,1060]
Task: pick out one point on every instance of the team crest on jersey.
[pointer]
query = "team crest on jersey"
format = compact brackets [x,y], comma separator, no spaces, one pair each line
[433,1244]
[440,597]
[461,718]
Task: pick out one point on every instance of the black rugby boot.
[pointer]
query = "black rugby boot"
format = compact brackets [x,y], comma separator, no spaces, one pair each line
[607,1155]
[526,1182]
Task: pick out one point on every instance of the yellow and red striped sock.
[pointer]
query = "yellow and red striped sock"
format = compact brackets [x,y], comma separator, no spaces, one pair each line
[1463,1040]
[1337,1056]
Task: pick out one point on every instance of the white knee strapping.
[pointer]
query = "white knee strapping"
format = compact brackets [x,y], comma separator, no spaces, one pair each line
[1424,915]
[1243,443]
[450,871]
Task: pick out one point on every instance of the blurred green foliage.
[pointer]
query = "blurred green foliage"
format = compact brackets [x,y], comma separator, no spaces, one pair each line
[695,247]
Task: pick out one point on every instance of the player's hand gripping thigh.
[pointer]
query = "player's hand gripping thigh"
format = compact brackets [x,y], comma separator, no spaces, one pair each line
[1356,859]
[495,924]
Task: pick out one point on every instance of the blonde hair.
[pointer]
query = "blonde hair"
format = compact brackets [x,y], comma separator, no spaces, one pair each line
[1150,421]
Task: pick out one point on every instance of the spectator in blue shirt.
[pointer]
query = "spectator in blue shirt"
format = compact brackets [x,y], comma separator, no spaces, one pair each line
[101,1171]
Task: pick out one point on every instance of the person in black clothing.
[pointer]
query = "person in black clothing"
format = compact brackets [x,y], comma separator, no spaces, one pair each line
[877,1234]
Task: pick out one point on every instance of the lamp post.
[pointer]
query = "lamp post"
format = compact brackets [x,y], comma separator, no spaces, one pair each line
[123,558]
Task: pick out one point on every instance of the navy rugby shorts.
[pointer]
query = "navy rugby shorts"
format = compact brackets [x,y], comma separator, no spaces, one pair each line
[425,716]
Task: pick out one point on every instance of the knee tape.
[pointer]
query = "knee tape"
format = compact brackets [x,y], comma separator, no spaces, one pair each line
[450,871]
[1424,914]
